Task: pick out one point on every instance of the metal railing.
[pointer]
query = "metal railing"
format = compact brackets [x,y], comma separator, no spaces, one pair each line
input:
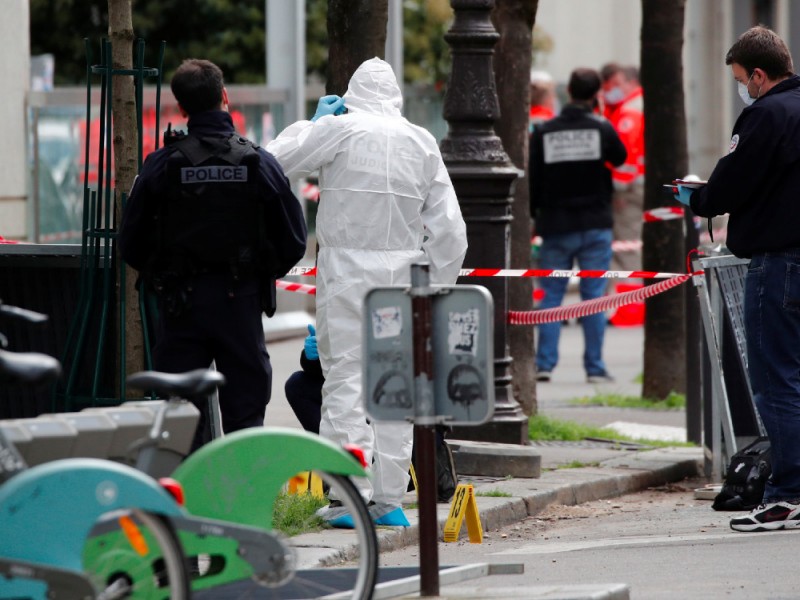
[730,415]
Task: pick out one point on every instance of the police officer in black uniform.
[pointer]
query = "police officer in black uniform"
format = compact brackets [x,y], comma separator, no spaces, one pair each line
[570,200]
[210,223]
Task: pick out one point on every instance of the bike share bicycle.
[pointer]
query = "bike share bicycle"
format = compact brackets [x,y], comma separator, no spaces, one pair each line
[237,478]
[40,552]
[230,488]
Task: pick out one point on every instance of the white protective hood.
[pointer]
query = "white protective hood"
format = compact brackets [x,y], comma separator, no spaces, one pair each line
[373,88]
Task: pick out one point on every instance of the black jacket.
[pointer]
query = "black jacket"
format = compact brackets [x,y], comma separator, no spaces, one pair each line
[758,181]
[284,224]
[570,183]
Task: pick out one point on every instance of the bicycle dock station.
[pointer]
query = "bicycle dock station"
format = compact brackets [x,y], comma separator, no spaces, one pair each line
[122,532]
[730,416]
[109,433]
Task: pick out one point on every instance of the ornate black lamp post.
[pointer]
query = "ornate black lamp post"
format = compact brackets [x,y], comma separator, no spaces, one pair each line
[483,177]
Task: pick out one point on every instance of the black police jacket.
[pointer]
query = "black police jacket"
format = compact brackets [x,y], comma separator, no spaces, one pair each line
[570,183]
[758,181]
[148,232]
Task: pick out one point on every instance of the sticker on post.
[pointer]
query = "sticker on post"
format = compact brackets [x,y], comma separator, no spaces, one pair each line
[393,391]
[387,322]
[465,386]
[462,338]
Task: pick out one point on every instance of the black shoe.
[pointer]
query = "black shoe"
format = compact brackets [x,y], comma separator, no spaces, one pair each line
[600,378]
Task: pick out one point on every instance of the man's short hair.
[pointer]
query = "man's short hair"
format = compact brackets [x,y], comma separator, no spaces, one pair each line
[610,69]
[197,85]
[584,83]
[631,73]
[760,47]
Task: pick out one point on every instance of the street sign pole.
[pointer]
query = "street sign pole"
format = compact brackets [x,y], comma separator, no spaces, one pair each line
[428,359]
[424,429]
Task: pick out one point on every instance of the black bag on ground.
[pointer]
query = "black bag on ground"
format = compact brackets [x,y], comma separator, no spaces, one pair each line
[746,478]
[446,476]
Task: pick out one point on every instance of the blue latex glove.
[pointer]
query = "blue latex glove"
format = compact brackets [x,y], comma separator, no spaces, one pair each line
[684,195]
[310,345]
[329,105]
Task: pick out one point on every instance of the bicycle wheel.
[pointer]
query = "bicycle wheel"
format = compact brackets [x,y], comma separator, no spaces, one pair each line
[135,554]
[307,576]
[364,550]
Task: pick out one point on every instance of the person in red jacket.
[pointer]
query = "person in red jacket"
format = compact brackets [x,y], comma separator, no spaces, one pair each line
[543,98]
[624,107]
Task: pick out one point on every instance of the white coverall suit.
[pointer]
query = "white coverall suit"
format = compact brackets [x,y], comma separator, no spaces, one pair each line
[386,201]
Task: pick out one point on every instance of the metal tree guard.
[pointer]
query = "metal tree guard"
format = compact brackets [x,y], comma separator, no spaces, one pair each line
[88,365]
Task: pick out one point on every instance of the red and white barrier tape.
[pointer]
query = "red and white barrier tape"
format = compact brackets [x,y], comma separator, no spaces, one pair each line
[591,307]
[312,271]
[301,288]
[307,271]
[565,273]
[551,315]
[664,213]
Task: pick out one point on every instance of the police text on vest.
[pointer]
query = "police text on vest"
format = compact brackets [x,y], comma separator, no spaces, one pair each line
[213,174]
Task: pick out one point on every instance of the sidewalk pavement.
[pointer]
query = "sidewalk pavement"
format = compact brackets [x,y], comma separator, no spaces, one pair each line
[608,470]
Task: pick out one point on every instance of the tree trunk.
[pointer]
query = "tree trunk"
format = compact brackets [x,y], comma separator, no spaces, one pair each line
[666,155]
[126,143]
[356,32]
[514,20]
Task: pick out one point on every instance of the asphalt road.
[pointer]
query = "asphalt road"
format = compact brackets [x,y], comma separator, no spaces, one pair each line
[662,543]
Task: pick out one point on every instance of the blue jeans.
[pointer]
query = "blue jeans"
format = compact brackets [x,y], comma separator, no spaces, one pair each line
[592,251]
[772,330]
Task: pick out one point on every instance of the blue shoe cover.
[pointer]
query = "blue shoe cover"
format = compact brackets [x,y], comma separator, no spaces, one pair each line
[395,518]
[344,521]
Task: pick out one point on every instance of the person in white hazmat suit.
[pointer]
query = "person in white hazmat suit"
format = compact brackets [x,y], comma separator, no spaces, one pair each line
[386,201]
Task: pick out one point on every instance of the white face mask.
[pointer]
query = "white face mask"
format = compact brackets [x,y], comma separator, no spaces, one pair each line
[614,96]
[744,93]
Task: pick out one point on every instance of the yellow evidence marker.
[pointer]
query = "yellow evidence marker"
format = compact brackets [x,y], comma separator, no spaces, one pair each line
[463,505]
[305,482]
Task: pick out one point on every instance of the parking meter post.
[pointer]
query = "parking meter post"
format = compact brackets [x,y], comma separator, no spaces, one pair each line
[424,432]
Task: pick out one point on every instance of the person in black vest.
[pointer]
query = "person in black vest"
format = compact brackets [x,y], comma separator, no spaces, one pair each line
[570,199]
[210,223]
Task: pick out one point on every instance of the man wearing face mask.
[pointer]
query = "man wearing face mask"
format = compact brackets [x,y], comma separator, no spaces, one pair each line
[624,108]
[758,184]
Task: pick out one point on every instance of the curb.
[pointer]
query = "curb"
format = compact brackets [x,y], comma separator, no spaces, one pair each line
[613,477]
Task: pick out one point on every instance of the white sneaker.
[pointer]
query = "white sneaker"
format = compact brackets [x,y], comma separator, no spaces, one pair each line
[769,517]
